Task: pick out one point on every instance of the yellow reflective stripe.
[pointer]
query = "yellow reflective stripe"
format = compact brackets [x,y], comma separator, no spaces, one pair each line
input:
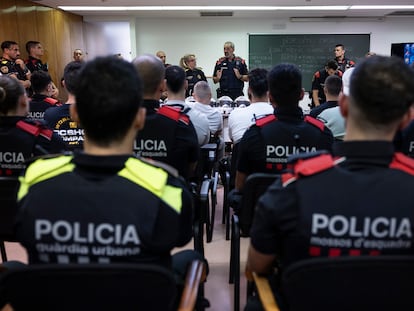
[155,181]
[43,169]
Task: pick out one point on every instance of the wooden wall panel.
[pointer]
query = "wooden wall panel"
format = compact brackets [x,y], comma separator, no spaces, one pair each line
[8,21]
[26,25]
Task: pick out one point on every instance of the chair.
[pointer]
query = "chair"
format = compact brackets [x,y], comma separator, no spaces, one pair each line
[8,204]
[378,283]
[255,185]
[98,287]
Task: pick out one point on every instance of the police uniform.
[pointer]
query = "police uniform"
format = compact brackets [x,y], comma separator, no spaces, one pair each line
[22,139]
[345,64]
[318,83]
[404,140]
[35,64]
[101,209]
[168,137]
[358,203]
[39,104]
[58,119]
[9,67]
[266,146]
[193,76]
[229,84]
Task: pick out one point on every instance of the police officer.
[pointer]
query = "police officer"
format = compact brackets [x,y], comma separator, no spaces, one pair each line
[41,100]
[318,82]
[59,119]
[12,65]
[20,138]
[104,205]
[168,135]
[266,145]
[193,74]
[231,72]
[343,62]
[358,203]
[35,51]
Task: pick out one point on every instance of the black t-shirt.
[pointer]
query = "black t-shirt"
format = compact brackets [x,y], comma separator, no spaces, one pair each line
[361,204]
[266,148]
[193,76]
[171,140]
[22,139]
[39,104]
[228,79]
[85,209]
[35,64]
[58,119]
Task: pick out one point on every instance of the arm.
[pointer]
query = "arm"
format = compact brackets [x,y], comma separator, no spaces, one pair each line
[315,97]
[240,180]
[259,262]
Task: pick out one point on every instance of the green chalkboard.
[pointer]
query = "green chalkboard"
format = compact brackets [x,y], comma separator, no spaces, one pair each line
[310,52]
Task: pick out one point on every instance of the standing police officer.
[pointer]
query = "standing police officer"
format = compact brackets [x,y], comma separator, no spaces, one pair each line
[231,72]
[266,145]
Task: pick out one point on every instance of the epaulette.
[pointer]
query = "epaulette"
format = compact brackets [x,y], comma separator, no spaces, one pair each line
[168,168]
[315,122]
[403,163]
[265,120]
[240,59]
[174,114]
[51,101]
[221,59]
[34,128]
[317,74]
[309,164]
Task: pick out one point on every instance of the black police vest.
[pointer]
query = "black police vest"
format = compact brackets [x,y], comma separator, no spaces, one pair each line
[18,147]
[282,140]
[156,140]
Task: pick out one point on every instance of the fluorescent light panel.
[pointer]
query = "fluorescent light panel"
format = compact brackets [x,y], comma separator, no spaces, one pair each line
[201,8]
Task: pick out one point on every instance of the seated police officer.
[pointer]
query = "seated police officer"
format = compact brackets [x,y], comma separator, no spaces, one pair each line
[266,145]
[21,138]
[169,135]
[357,203]
[103,205]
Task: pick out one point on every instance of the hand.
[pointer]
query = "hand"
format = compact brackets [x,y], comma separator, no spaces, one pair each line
[20,62]
[237,73]
[219,73]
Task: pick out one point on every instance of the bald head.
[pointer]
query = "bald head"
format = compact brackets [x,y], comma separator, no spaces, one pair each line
[152,72]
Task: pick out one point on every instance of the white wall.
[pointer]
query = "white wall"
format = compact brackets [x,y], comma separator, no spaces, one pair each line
[205,36]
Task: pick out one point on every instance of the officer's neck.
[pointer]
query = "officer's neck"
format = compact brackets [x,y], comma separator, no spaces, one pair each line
[121,147]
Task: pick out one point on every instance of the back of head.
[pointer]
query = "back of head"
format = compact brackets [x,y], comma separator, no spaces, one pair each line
[382,89]
[333,85]
[202,92]
[10,92]
[152,72]
[108,96]
[258,82]
[285,85]
[30,45]
[331,64]
[175,77]
[40,80]
[70,75]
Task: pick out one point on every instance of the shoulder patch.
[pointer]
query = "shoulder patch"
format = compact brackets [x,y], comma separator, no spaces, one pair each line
[403,163]
[170,112]
[265,120]
[51,101]
[35,129]
[315,122]
[317,74]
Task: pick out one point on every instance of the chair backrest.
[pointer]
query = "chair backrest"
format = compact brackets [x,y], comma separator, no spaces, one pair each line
[350,283]
[256,184]
[8,206]
[89,287]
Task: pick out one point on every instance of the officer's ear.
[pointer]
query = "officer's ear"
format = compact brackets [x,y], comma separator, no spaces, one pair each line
[140,118]
[73,110]
[407,118]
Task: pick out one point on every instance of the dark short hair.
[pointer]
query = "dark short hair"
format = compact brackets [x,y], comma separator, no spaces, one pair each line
[7,44]
[175,76]
[70,75]
[331,64]
[31,44]
[258,82]
[285,84]
[382,88]
[40,80]
[333,85]
[108,96]
[10,91]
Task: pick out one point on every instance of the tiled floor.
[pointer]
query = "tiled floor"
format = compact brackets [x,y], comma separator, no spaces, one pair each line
[217,289]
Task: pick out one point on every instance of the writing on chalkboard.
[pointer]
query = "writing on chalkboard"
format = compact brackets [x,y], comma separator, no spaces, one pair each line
[309,52]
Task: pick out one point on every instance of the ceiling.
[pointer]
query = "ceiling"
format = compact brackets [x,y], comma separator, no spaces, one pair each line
[334,14]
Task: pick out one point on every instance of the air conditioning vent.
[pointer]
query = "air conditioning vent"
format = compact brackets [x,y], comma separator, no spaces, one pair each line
[402,13]
[219,13]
